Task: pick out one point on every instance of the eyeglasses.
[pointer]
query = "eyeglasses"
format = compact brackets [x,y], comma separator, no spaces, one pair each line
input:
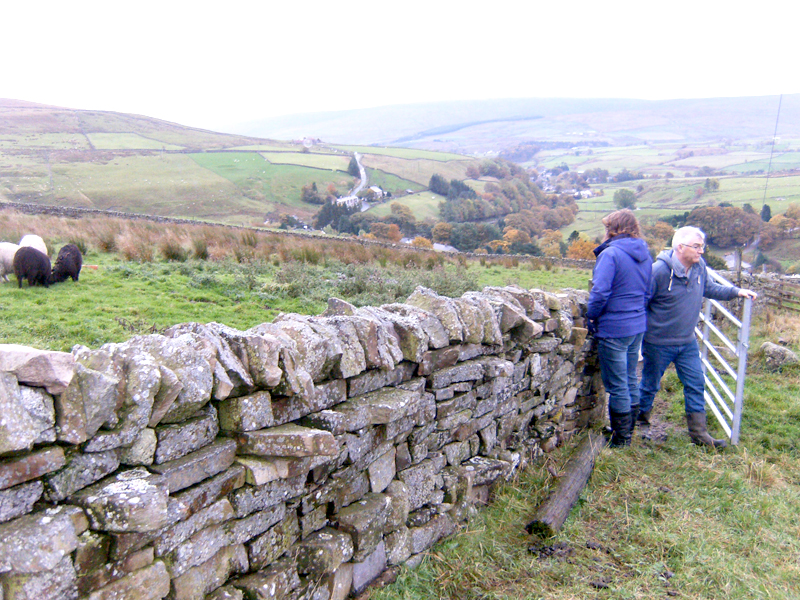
[698,247]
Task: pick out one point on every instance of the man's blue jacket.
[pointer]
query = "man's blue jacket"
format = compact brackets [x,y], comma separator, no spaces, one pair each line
[620,286]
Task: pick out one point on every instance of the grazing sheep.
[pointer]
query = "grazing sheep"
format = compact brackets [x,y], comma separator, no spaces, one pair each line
[68,264]
[7,252]
[32,265]
[34,241]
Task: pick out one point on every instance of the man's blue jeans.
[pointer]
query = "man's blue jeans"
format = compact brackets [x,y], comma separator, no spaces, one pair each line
[618,360]
[689,368]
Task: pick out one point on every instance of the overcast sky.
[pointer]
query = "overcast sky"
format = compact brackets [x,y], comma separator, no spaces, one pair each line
[212,65]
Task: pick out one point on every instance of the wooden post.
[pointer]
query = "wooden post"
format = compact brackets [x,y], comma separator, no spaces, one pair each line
[552,513]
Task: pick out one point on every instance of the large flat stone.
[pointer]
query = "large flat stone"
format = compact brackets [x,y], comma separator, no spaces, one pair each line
[40,368]
[198,465]
[150,583]
[288,441]
[179,439]
[30,466]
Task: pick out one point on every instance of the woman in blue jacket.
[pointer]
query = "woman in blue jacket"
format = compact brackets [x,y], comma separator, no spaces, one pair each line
[617,317]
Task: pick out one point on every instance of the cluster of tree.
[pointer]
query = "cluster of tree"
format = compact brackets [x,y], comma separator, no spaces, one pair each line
[521,153]
[625,198]
[454,190]
[336,215]
[626,175]
[732,226]
[507,217]
[352,168]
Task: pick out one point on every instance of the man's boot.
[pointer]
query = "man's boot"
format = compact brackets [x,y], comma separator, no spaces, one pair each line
[620,429]
[696,422]
[643,421]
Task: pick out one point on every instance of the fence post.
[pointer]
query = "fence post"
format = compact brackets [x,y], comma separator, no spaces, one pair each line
[742,348]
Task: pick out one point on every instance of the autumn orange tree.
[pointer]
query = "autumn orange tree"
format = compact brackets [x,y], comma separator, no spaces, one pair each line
[581,249]
[386,231]
[550,243]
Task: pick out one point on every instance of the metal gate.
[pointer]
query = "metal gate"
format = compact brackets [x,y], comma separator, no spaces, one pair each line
[720,375]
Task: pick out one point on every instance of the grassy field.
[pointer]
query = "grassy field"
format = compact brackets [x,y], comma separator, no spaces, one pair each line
[239,278]
[424,205]
[127,141]
[330,162]
[417,170]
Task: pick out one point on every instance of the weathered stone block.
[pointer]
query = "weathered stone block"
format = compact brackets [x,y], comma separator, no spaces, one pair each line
[263,470]
[17,427]
[39,406]
[323,551]
[443,308]
[426,536]
[272,544]
[249,499]
[39,368]
[142,451]
[419,480]
[375,379]
[364,521]
[108,573]
[382,470]
[466,371]
[288,440]
[37,542]
[88,402]
[199,581]
[58,582]
[19,500]
[199,465]
[130,501]
[171,537]
[274,582]
[366,571]
[179,439]
[246,413]
[239,531]
[80,471]
[29,466]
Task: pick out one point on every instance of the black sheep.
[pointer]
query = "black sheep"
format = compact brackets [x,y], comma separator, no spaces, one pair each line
[68,264]
[33,265]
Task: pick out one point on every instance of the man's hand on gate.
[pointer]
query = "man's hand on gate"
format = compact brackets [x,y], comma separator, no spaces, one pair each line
[747,294]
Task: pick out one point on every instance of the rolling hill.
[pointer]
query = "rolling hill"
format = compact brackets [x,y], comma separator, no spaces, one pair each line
[131,163]
[494,125]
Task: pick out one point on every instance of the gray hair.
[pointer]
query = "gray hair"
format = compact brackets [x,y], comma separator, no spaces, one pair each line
[686,234]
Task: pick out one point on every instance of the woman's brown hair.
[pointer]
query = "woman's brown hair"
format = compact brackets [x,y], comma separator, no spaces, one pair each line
[621,221]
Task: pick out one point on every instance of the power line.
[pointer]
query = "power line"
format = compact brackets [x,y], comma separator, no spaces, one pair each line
[772,150]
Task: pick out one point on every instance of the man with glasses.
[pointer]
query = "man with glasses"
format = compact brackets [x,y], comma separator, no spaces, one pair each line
[679,284]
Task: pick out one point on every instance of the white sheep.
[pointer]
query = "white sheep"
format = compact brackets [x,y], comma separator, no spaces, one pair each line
[7,252]
[34,241]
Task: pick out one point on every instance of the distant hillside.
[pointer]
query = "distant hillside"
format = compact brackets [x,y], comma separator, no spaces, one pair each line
[131,163]
[494,125]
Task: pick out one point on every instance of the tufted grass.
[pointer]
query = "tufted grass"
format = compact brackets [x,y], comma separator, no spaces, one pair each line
[150,276]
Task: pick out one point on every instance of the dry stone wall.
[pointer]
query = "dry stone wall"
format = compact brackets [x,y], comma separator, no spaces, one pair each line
[297,459]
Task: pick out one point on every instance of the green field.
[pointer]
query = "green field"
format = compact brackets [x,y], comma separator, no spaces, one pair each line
[391,183]
[418,170]
[424,205]
[267,183]
[331,162]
